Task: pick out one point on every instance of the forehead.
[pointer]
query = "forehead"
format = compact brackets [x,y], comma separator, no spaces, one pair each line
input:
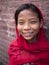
[27,14]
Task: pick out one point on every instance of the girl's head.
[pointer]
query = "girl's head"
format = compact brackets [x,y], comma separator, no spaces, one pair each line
[28,20]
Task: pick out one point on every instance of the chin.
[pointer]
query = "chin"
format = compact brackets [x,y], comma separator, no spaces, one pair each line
[28,38]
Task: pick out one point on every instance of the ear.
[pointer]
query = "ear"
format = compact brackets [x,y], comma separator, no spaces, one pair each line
[41,24]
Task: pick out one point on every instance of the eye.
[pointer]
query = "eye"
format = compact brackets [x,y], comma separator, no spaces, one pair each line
[32,22]
[20,22]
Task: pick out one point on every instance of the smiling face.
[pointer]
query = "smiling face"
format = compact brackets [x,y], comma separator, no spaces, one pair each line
[28,24]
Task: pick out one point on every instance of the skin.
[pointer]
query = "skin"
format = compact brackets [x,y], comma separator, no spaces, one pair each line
[28,25]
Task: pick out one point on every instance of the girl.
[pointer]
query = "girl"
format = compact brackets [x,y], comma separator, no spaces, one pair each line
[31,46]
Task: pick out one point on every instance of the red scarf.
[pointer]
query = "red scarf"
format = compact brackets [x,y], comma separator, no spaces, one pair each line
[21,52]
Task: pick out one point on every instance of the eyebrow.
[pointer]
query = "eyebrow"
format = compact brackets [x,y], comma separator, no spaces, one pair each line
[32,18]
[21,19]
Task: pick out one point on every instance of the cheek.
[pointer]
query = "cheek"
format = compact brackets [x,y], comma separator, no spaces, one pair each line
[35,27]
[20,28]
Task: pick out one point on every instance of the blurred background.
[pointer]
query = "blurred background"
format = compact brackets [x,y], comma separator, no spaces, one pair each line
[7,25]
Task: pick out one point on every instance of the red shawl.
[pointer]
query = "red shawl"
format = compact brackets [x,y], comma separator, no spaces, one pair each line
[21,52]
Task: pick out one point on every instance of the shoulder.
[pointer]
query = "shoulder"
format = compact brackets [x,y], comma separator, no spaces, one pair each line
[15,44]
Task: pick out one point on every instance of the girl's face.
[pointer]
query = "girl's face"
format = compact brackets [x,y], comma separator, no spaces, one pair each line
[28,24]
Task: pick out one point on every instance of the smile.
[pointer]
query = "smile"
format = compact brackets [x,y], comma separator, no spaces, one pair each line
[28,34]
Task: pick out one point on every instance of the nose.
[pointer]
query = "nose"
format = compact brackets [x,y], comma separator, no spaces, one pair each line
[27,26]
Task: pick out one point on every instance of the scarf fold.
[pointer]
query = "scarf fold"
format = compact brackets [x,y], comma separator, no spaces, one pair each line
[40,44]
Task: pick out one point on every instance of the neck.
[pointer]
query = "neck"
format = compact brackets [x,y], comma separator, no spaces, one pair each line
[32,40]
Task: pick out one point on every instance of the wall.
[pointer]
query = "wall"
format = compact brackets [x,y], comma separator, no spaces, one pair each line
[7,25]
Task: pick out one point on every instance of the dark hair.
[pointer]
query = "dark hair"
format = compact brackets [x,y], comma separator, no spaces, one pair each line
[28,6]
